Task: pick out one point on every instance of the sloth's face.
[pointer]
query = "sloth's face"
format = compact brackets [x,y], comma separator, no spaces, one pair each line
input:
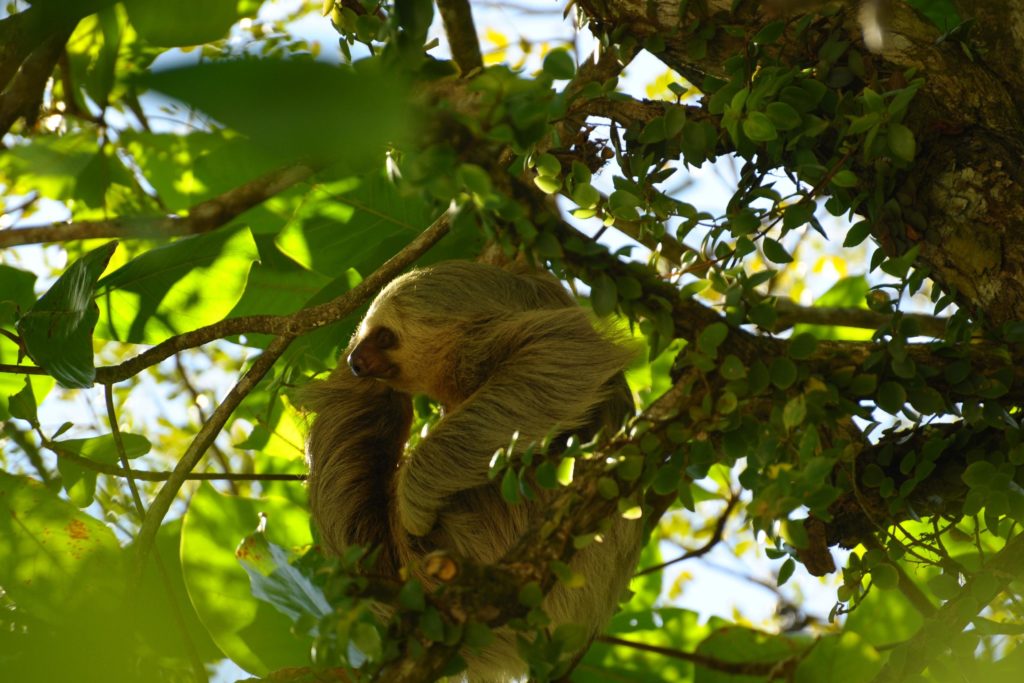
[389,351]
[371,356]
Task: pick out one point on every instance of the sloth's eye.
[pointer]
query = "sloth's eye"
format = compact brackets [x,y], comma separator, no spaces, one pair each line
[384,338]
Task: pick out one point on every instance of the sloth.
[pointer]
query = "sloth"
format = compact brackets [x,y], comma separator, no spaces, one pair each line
[504,353]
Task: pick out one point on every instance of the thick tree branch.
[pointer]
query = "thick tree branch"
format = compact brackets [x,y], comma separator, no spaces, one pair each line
[197,448]
[22,98]
[298,323]
[791,314]
[457,17]
[959,202]
[203,217]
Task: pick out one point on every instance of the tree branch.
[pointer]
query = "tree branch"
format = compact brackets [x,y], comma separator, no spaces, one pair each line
[716,538]
[150,475]
[457,17]
[197,448]
[734,668]
[791,313]
[203,217]
[22,98]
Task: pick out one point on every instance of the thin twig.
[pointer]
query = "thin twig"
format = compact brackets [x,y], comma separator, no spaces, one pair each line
[164,475]
[736,668]
[715,539]
[22,369]
[179,618]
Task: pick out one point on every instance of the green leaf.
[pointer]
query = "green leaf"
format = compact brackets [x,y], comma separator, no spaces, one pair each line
[79,481]
[604,295]
[183,22]
[783,373]
[510,487]
[17,293]
[732,368]
[901,141]
[63,571]
[979,474]
[252,633]
[786,571]
[795,412]
[358,224]
[23,405]
[783,116]
[169,290]
[313,111]
[845,178]
[530,595]
[944,586]
[770,33]
[559,64]
[885,576]
[49,550]
[547,184]
[57,330]
[891,397]
[802,346]
[774,251]
[846,652]
[759,128]
[711,337]
[275,580]
[858,232]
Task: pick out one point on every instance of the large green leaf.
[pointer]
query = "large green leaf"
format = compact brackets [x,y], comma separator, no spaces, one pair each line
[80,482]
[356,224]
[57,330]
[17,294]
[12,387]
[62,572]
[48,165]
[51,554]
[299,109]
[187,169]
[276,580]
[738,644]
[673,628]
[154,612]
[252,633]
[183,22]
[189,283]
[846,652]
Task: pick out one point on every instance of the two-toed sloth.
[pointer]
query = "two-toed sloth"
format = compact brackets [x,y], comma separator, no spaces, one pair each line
[503,353]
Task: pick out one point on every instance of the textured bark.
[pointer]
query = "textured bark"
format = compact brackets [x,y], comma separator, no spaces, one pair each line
[961,201]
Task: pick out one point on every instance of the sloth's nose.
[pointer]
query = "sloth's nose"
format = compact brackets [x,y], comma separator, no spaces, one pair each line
[357,363]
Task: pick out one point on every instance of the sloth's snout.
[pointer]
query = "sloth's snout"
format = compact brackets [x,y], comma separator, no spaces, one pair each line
[366,360]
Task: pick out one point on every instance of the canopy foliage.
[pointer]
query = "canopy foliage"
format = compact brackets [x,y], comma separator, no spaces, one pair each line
[198,200]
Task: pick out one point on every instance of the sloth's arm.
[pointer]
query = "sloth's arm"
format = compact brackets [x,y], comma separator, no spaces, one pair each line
[353,450]
[551,369]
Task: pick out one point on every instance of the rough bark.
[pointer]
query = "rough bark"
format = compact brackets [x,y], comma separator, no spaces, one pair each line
[961,200]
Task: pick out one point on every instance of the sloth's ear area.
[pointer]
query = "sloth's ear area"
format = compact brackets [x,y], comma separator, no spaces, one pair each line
[370,357]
